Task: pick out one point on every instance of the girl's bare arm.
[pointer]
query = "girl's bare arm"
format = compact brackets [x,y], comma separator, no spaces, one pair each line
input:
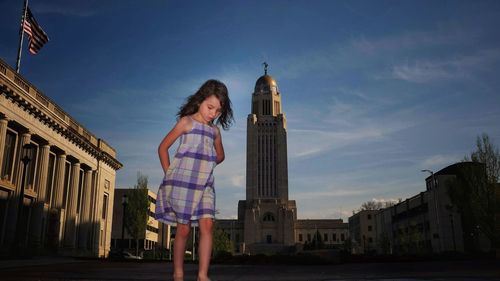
[182,126]
[219,149]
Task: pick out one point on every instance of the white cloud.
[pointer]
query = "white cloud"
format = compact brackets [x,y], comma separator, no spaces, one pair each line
[423,71]
[439,160]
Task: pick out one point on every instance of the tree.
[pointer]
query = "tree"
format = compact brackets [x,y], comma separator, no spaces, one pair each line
[371,205]
[221,242]
[137,213]
[376,205]
[487,153]
[384,243]
[472,192]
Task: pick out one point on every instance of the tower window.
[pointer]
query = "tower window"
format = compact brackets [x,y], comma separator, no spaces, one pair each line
[268,217]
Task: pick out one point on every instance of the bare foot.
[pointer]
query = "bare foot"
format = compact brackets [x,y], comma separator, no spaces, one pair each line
[178,278]
[203,279]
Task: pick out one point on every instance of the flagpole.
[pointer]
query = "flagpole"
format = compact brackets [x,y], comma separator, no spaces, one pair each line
[21,36]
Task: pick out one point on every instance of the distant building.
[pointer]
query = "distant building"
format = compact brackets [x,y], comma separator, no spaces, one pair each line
[428,222]
[362,231]
[267,219]
[69,181]
[156,234]
[331,232]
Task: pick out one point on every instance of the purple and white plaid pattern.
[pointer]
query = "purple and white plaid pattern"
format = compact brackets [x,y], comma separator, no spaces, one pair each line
[187,192]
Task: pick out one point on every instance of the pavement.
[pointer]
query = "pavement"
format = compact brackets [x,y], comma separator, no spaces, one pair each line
[90,270]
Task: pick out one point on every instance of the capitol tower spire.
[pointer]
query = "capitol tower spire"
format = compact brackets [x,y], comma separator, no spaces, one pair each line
[268,214]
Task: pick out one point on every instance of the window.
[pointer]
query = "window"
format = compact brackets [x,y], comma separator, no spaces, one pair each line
[369,228]
[31,168]
[152,229]
[369,216]
[104,206]
[309,237]
[268,217]
[8,155]
[269,239]
[300,237]
[334,237]
[342,237]
[370,240]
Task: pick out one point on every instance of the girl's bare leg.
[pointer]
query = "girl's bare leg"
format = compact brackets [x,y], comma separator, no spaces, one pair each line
[205,247]
[181,236]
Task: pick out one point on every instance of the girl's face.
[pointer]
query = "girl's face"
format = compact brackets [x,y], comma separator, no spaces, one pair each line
[210,109]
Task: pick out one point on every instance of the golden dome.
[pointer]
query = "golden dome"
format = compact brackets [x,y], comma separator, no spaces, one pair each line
[264,83]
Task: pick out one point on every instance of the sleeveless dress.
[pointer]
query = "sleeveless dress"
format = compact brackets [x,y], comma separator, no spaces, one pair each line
[187,193]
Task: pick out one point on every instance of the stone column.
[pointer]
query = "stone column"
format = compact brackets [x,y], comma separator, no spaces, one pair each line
[43,166]
[3,135]
[70,235]
[85,219]
[40,209]
[59,182]
[57,211]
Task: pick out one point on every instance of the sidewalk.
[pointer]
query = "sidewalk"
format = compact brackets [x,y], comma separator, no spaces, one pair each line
[38,261]
[48,269]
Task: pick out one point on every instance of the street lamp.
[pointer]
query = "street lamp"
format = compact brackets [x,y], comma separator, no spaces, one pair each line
[432,176]
[124,204]
[26,157]
[162,239]
[194,240]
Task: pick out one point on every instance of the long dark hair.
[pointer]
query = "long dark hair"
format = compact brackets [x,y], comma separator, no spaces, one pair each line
[210,88]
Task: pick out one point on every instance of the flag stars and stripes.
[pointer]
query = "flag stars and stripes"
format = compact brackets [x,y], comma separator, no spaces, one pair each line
[37,37]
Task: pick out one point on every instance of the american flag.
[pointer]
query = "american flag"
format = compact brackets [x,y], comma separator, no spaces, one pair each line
[37,36]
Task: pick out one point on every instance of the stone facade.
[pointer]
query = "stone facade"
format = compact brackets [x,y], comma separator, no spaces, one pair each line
[428,222]
[362,231]
[68,182]
[267,219]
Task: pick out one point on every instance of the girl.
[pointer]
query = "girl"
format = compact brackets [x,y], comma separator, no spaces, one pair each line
[186,196]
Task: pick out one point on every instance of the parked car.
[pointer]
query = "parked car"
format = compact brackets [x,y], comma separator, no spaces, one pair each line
[123,255]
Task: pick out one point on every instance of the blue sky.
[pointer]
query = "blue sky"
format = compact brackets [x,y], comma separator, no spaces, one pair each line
[373,91]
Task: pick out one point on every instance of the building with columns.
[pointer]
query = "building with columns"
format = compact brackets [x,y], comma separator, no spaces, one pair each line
[267,220]
[60,201]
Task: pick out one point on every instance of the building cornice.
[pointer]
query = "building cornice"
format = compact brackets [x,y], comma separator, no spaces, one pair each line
[16,89]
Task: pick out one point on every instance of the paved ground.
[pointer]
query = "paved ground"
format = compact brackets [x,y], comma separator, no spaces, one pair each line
[70,269]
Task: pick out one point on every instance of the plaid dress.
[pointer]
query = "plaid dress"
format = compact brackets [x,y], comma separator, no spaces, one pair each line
[187,191]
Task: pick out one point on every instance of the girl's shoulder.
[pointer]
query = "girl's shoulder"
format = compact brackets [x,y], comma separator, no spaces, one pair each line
[185,123]
[216,130]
